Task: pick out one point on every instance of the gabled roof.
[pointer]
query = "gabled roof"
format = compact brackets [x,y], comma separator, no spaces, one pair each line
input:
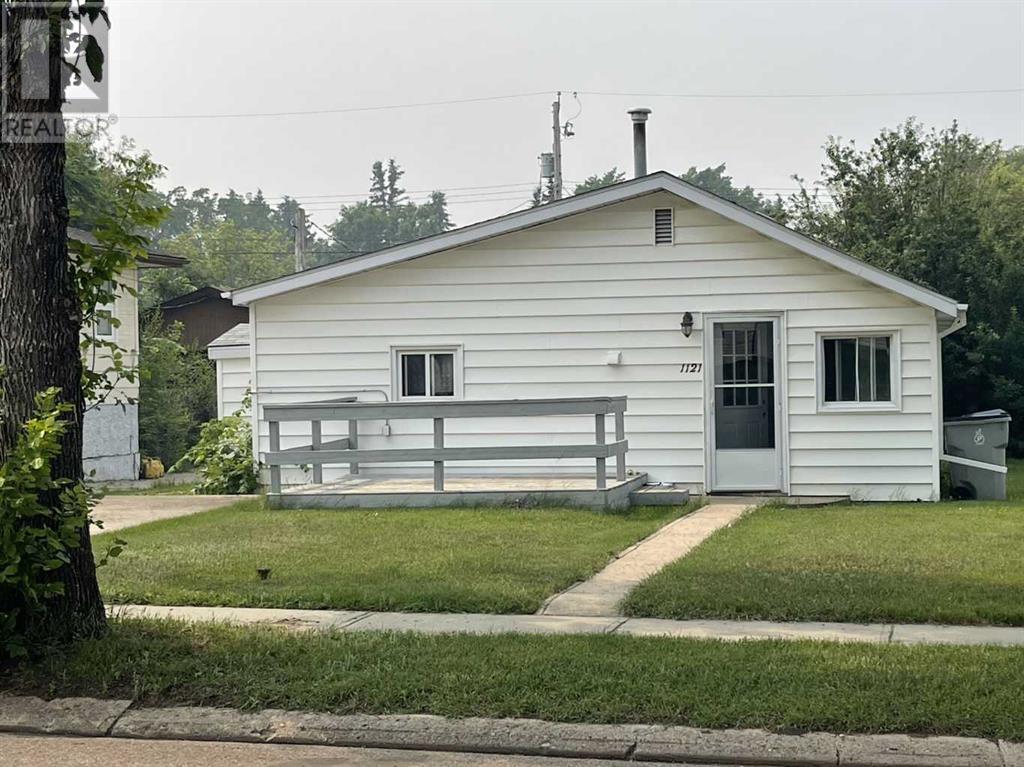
[660,181]
[153,257]
[198,295]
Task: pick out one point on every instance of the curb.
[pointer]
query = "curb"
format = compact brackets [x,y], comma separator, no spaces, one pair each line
[527,737]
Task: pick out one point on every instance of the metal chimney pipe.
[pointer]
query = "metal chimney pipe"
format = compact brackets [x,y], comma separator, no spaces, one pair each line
[639,116]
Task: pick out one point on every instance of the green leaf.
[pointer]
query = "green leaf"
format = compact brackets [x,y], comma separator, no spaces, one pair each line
[94,57]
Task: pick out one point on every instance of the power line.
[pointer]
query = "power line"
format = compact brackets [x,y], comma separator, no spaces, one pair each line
[347,198]
[853,95]
[408,191]
[339,110]
[630,94]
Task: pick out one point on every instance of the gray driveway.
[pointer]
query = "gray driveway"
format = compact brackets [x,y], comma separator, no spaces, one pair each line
[120,511]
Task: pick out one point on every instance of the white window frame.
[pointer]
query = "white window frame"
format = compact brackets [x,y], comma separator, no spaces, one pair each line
[396,370]
[654,225]
[894,405]
[111,309]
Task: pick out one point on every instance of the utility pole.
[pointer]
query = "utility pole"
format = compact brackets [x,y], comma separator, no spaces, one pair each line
[300,239]
[556,146]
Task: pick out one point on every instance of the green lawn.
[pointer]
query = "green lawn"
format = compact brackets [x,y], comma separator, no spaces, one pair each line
[426,560]
[942,563]
[597,678]
[1015,479]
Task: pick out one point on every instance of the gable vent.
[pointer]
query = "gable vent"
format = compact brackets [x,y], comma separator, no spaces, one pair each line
[663,226]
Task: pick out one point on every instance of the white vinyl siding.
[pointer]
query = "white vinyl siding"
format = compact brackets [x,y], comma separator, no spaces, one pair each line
[126,310]
[232,384]
[536,313]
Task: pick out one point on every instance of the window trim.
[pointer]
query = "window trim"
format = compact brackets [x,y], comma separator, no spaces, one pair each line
[893,405]
[397,350]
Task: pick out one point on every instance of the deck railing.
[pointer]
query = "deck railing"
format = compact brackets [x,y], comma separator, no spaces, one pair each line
[347,450]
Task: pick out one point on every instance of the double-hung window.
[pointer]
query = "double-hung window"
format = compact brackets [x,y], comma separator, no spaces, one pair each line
[427,373]
[859,371]
[104,315]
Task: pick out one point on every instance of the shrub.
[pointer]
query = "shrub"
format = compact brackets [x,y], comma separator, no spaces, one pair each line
[35,537]
[223,457]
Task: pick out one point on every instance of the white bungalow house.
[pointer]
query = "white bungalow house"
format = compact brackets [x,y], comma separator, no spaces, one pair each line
[110,438]
[752,357]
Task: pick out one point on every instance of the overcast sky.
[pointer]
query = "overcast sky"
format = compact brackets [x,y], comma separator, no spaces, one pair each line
[220,57]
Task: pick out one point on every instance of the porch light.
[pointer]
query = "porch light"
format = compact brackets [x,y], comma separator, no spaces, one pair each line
[687,324]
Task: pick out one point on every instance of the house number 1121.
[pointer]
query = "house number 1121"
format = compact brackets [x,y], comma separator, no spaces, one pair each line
[691,367]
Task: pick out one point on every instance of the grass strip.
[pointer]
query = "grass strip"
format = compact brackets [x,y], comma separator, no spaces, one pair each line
[777,685]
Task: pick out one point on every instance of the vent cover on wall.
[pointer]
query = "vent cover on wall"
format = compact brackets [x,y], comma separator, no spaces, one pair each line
[663,226]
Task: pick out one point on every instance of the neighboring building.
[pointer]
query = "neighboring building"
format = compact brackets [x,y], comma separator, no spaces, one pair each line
[753,357]
[110,449]
[204,314]
[230,352]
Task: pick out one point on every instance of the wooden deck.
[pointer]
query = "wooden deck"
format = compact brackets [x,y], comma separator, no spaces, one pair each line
[370,492]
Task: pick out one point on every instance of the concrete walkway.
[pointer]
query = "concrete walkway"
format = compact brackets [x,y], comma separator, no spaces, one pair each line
[120,511]
[601,595]
[468,623]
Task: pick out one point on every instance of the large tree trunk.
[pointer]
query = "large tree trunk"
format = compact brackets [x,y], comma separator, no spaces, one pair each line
[40,315]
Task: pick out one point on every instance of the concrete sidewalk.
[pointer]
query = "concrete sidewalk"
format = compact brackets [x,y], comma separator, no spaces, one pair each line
[94,718]
[601,594]
[469,623]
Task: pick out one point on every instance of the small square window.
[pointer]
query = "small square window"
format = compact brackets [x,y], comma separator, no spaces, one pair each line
[426,373]
[858,369]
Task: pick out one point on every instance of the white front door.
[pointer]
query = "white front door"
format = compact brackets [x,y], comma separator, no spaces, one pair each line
[744,405]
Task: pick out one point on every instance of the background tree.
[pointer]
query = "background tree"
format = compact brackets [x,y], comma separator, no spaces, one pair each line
[941,208]
[177,393]
[717,181]
[590,183]
[384,219]
[223,254]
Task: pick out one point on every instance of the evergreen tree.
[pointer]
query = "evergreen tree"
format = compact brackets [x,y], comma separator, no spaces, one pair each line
[613,176]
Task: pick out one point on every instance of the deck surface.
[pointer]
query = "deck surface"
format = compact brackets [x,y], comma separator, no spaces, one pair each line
[514,484]
[385,492]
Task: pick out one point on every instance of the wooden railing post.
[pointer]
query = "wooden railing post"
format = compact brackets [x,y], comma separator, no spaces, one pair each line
[353,443]
[438,465]
[620,434]
[318,468]
[275,446]
[602,468]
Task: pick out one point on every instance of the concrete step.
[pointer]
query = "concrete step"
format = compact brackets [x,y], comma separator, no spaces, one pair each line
[659,495]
